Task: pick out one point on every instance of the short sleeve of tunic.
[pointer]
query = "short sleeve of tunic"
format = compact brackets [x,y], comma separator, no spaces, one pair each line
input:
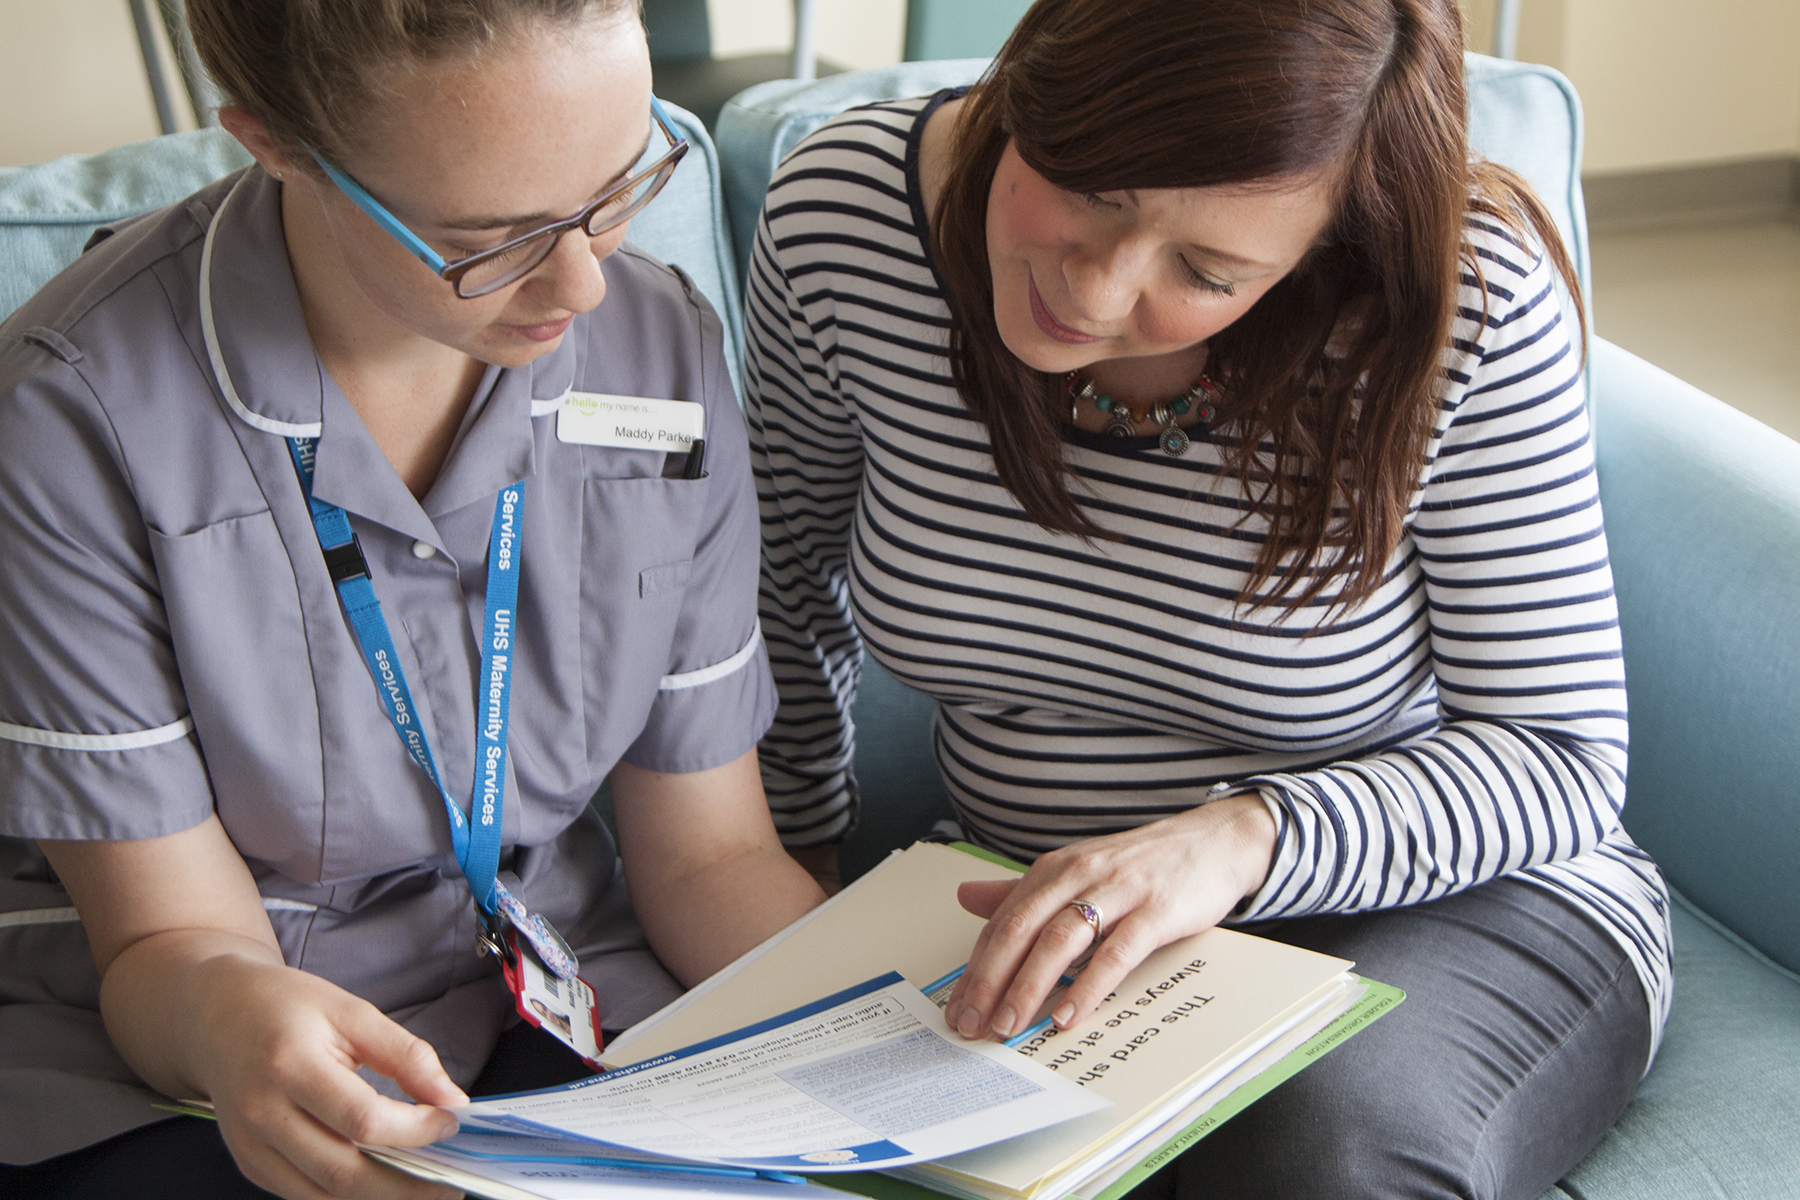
[96,740]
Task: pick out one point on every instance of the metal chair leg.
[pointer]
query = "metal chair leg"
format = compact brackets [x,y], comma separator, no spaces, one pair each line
[201,92]
[153,66]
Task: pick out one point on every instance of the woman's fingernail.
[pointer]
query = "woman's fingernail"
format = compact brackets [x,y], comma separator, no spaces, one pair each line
[1003,1022]
[953,1012]
[968,1024]
[1063,1015]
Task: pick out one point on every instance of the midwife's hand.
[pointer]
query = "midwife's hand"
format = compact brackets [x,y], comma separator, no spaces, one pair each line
[198,1001]
[276,1050]
[1153,885]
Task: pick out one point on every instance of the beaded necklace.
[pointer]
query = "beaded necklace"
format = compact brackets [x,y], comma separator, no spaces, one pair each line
[1123,420]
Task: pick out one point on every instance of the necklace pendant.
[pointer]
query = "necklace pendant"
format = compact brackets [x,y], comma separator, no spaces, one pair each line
[1121,421]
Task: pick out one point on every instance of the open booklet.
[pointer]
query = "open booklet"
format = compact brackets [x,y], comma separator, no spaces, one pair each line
[751,1078]
[866,1077]
[1198,1031]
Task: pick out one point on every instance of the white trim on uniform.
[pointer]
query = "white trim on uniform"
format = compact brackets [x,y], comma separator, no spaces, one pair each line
[544,408]
[211,335]
[719,670]
[69,916]
[91,742]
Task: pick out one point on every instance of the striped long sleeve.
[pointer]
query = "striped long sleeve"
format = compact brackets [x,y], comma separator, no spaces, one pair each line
[1526,763]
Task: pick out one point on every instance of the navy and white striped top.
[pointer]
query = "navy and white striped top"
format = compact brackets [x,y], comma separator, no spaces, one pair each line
[1467,721]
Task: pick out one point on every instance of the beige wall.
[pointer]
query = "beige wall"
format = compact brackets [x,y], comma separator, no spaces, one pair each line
[1668,83]
[852,33]
[71,79]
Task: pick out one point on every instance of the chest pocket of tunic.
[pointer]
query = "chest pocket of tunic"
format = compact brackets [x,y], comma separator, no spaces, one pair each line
[234,621]
[638,538]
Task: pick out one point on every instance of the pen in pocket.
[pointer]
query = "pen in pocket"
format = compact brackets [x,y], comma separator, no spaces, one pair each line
[696,460]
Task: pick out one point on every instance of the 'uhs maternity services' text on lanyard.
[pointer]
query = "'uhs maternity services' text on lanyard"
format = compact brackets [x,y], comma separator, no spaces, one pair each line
[475,838]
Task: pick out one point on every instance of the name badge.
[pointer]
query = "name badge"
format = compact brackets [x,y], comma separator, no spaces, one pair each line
[634,422]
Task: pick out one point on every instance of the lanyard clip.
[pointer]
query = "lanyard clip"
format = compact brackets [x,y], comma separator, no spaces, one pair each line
[490,935]
[346,561]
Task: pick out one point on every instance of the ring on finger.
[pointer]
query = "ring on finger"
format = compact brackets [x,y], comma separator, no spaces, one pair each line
[1092,915]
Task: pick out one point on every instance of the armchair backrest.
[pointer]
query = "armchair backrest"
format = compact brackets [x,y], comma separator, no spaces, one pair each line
[47,211]
[938,29]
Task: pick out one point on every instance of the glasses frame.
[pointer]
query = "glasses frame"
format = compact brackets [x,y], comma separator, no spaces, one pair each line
[453,272]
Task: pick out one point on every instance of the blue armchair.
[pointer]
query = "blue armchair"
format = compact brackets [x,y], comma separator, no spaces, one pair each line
[1703,522]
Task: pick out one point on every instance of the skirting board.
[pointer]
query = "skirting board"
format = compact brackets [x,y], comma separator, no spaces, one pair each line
[1744,190]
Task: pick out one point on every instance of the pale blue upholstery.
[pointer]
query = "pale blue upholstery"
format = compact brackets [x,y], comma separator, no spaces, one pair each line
[47,211]
[1703,520]
[759,126]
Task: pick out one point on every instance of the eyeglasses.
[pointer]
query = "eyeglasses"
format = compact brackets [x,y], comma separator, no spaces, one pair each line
[491,270]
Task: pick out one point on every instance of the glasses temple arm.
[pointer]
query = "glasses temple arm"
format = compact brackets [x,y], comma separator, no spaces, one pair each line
[380,215]
[665,120]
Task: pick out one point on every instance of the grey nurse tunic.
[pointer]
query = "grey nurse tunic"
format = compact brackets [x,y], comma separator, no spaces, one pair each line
[171,645]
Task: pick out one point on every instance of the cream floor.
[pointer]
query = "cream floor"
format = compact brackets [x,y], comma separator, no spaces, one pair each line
[1717,305]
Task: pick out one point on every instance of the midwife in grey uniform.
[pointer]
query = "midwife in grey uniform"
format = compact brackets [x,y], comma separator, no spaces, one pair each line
[223,876]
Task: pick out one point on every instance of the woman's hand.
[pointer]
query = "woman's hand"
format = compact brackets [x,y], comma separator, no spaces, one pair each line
[198,1001]
[1153,885]
[277,1050]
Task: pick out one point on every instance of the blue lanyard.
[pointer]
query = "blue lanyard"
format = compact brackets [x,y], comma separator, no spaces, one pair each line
[475,838]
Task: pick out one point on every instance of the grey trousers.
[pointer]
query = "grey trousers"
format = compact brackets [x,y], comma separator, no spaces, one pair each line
[1523,1035]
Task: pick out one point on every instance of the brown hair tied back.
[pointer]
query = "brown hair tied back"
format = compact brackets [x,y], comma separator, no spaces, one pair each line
[1107,95]
[310,70]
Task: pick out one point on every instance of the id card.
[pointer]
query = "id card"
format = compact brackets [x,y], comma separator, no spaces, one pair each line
[632,422]
[562,1008]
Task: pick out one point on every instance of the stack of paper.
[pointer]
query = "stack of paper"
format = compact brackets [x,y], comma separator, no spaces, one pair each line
[817,1053]
[1200,1029]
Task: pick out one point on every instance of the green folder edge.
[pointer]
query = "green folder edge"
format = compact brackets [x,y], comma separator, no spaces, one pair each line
[1377,1002]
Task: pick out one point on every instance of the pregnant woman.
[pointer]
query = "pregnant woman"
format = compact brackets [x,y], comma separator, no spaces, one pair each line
[1188,412]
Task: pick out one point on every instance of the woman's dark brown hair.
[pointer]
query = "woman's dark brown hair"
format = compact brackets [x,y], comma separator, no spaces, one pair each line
[1107,95]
